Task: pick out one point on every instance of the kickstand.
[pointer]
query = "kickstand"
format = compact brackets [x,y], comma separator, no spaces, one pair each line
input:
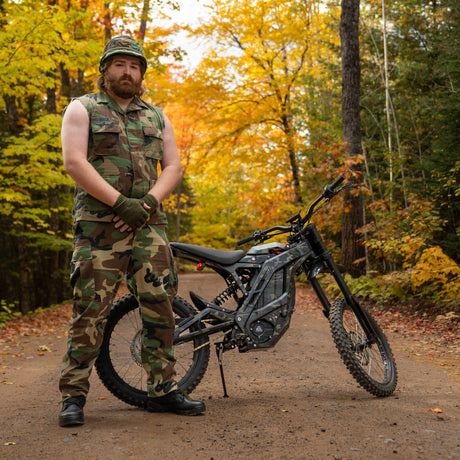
[220,351]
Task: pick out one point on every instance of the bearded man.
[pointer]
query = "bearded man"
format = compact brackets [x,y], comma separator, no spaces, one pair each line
[112,142]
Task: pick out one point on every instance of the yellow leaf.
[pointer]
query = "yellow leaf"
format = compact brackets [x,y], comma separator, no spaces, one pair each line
[437,410]
[43,348]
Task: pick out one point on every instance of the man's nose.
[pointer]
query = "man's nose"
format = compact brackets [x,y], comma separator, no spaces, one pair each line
[128,70]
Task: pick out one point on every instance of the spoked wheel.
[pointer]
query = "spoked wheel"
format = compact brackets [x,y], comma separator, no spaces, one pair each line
[119,363]
[371,363]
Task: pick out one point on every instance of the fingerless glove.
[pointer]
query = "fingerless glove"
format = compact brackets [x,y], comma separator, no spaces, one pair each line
[151,201]
[131,211]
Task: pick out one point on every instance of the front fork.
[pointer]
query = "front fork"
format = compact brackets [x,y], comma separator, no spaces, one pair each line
[324,257]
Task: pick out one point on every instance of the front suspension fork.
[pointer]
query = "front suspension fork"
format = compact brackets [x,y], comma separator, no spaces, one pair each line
[325,257]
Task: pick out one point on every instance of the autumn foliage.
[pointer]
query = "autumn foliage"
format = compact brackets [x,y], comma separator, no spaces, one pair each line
[258,125]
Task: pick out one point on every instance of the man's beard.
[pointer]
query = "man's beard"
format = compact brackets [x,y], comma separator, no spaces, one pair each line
[124,87]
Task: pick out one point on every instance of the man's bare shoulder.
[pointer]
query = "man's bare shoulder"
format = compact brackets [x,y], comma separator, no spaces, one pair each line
[75,111]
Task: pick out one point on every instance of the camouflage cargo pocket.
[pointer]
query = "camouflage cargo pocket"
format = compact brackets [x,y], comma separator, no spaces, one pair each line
[106,140]
[82,273]
[153,140]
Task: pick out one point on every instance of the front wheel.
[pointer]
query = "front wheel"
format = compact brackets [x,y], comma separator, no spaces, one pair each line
[370,363]
[119,364]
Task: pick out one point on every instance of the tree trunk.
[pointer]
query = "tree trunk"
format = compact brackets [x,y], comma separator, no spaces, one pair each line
[352,218]
[12,115]
[79,88]
[26,289]
[144,19]
[50,103]
[50,264]
[65,81]
[107,22]
[288,131]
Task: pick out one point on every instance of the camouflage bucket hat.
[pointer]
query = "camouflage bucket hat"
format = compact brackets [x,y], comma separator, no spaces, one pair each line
[125,46]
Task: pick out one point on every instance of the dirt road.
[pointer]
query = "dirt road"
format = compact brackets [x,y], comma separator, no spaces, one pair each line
[295,401]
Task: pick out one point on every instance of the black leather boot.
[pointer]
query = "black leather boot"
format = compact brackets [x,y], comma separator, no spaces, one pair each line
[72,411]
[178,402]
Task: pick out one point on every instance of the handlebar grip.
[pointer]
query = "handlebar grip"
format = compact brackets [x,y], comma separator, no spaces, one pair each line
[245,240]
[337,182]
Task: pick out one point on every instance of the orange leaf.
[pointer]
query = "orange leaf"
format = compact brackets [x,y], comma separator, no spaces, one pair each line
[437,410]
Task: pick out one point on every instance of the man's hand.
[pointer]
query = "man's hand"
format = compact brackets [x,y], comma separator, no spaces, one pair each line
[151,202]
[131,211]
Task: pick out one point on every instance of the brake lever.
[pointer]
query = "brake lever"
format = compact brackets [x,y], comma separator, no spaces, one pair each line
[349,185]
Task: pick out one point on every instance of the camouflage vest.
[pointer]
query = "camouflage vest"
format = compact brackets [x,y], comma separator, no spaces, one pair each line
[124,148]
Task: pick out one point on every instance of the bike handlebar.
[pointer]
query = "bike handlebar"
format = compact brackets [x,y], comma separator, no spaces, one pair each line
[338,181]
[330,190]
[265,234]
[245,240]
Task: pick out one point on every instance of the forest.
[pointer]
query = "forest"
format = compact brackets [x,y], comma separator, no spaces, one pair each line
[259,126]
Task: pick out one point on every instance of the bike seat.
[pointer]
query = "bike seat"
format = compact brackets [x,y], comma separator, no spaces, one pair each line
[215,255]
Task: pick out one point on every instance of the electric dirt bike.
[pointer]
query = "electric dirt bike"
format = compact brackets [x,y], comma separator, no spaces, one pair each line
[261,287]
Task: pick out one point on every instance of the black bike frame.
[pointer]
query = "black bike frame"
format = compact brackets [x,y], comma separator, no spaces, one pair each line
[311,254]
[291,259]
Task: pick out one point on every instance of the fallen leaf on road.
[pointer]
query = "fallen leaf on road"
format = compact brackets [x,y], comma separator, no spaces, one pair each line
[9,444]
[437,410]
[43,348]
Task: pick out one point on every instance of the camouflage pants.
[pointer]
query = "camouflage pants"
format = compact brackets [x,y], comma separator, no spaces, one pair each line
[102,257]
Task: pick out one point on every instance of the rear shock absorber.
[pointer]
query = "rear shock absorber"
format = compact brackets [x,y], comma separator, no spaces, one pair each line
[225,295]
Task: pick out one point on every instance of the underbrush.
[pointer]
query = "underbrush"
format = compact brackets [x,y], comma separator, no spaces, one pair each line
[398,290]
[7,312]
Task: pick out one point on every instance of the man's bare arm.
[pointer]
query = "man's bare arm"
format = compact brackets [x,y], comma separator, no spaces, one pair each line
[171,169]
[74,138]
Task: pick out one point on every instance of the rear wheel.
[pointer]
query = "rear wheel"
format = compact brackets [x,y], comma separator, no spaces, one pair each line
[371,363]
[119,363]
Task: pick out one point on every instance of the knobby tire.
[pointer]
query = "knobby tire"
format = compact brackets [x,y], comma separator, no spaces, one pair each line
[371,364]
[119,366]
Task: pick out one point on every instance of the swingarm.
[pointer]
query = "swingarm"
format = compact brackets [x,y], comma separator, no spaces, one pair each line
[186,324]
